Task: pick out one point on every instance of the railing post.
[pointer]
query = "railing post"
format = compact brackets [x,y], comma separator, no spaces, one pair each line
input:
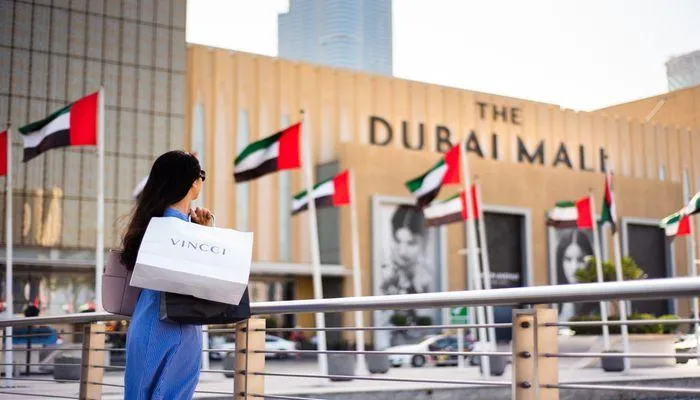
[250,338]
[547,338]
[531,340]
[93,354]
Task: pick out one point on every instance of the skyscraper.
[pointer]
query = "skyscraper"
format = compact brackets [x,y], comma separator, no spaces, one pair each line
[354,34]
[683,71]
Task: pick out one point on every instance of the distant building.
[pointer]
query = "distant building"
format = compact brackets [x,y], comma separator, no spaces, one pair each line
[683,71]
[354,34]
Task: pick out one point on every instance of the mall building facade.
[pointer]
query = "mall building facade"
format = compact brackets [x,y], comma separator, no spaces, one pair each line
[526,155]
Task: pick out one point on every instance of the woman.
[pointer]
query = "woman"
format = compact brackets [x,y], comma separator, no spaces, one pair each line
[406,272]
[572,251]
[162,358]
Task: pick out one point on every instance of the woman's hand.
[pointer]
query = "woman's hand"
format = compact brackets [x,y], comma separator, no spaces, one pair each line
[202,216]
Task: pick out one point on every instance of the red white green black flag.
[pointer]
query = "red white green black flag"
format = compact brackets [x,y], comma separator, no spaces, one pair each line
[676,224]
[454,209]
[609,214]
[334,192]
[569,214]
[426,187]
[274,153]
[73,125]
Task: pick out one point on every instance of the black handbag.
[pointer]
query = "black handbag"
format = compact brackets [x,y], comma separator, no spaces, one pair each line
[184,309]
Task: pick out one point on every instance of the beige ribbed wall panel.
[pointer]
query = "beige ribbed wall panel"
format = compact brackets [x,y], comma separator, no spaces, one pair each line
[338,106]
[651,156]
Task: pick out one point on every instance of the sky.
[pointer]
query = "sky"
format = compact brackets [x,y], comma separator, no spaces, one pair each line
[579,54]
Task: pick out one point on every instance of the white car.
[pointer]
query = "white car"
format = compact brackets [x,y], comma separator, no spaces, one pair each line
[686,344]
[272,343]
[416,360]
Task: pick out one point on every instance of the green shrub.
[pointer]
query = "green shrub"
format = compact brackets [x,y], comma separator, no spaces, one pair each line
[424,320]
[644,329]
[398,319]
[630,271]
[670,328]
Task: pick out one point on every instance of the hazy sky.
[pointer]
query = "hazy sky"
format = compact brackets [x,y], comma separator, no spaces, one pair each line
[581,54]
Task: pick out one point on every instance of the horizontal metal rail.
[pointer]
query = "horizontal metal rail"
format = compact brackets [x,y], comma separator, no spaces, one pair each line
[396,353]
[280,397]
[618,355]
[35,395]
[374,378]
[390,328]
[218,371]
[622,388]
[586,292]
[628,322]
[213,392]
[105,384]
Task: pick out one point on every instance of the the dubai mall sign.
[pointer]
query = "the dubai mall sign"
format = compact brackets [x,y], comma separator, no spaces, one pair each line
[382,133]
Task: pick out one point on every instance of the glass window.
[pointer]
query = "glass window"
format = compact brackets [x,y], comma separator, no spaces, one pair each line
[242,189]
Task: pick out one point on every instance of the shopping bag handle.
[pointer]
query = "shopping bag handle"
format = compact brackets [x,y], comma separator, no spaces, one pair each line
[213,220]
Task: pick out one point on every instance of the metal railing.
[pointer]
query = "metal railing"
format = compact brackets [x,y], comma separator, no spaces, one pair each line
[534,373]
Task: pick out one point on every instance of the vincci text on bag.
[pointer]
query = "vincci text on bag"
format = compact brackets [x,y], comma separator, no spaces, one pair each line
[181,257]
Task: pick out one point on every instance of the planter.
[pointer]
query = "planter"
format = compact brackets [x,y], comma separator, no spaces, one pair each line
[229,364]
[662,344]
[612,364]
[67,372]
[497,364]
[341,364]
[377,363]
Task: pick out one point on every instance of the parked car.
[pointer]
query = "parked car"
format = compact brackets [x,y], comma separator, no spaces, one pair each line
[449,343]
[277,343]
[272,343]
[416,360]
[686,344]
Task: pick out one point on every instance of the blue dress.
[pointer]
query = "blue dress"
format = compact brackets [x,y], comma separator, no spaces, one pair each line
[162,358]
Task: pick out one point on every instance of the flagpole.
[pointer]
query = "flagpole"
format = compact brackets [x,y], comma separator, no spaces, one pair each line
[599,271]
[484,251]
[99,244]
[618,273]
[356,275]
[315,254]
[473,260]
[691,262]
[9,300]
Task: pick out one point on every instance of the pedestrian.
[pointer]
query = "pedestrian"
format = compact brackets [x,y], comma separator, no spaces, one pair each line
[163,359]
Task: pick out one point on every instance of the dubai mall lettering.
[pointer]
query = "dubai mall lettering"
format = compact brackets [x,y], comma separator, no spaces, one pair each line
[382,133]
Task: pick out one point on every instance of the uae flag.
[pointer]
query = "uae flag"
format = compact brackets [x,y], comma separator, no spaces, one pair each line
[569,214]
[454,209]
[4,148]
[677,224]
[426,187]
[278,152]
[693,206]
[73,125]
[609,215]
[334,192]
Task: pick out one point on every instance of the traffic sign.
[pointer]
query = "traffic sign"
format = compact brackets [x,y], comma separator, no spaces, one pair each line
[459,315]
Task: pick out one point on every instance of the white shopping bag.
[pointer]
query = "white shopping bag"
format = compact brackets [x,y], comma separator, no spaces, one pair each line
[185,258]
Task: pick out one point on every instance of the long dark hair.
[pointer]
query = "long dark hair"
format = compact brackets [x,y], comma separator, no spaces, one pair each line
[170,179]
[568,238]
[409,217]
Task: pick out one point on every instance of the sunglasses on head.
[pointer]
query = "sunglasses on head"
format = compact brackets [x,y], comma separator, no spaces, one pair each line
[203,174]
